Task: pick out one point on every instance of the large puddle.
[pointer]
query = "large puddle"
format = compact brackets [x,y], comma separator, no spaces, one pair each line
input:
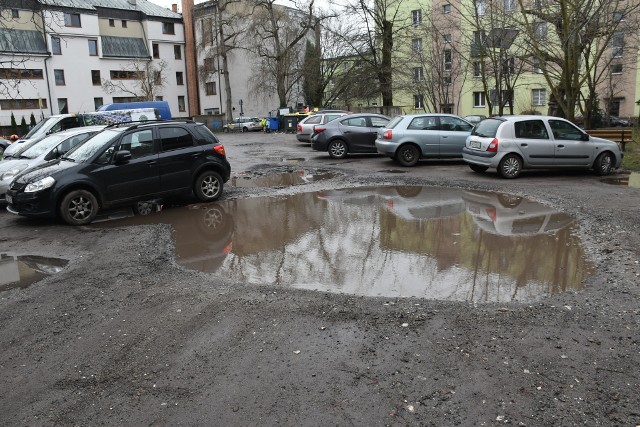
[22,271]
[631,180]
[403,241]
[299,177]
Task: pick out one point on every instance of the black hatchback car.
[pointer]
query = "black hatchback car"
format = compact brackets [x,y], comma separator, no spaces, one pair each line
[355,133]
[122,165]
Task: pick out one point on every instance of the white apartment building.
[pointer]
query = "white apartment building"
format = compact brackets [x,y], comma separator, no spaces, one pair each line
[57,54]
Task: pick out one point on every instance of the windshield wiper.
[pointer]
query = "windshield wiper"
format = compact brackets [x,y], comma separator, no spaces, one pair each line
[67,158]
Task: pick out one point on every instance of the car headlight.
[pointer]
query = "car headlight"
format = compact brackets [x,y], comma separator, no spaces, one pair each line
[40,185]
[10,174]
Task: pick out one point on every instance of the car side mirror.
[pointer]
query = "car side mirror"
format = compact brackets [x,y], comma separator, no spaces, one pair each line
[122,156]
[585,136]
[52,155]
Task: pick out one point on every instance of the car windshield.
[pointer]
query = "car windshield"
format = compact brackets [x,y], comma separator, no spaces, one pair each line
[39,126]
[487,128]
[83,152]
[42,147]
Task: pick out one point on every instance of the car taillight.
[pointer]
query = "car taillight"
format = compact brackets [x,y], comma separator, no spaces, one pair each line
[219,149]
[493,146]
[318,130]
[299,128]
[387,134]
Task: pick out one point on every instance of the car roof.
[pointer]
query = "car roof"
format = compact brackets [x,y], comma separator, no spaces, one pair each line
[431,115]
[356,115]
[82,129]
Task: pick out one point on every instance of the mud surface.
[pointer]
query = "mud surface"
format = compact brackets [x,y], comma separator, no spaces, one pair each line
[126,335]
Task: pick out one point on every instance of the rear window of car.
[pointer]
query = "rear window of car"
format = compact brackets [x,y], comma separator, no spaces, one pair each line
[487,128]
[394,122]
[205,136]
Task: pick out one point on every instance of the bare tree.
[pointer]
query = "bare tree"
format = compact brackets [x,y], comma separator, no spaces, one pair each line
[140,78]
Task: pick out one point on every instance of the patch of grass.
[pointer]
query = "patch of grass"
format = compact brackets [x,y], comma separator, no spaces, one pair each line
[631,160]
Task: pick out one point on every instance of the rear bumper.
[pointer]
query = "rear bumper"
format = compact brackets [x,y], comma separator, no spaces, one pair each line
[386,148]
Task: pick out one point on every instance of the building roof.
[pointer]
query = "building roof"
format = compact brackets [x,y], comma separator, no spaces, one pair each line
[22,41]
[144,6]
[124,47]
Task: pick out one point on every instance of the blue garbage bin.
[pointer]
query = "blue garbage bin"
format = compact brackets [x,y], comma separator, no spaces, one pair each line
[274,123]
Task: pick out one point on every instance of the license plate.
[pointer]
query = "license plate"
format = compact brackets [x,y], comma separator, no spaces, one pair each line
[9,199]
[475,144]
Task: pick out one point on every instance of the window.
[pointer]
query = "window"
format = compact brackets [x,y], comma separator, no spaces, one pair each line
[168,28]
[123,75]
[378,122]
[15,13]
[447,59]
[112,22]
[540,30]
[357,122]
[477,69]
[509,5]
[181,105]
[138,143]
[63,107]
[177,51]
[565,130]
[617,17]
[446,79]
[93,47]
[416,17]
[21,74]
[173,138]
[124,23]
[479,99]
[23,104]
[120,99]
[59,76]
[537,65]
[616,68]
[95,77]
[538,97]
[418,101]
[509,66]
[157,77]
[416,45]
[454,124]
[446,8]
[446,108]
[209,65]
[156,50]
[179,79]
[418,74]
[481,7]
[97,103]
[447,38]
[56,47]
[159,98]
[72,20]
[617,44]
[479,38]
[423,122]
[210,88]
[531,129]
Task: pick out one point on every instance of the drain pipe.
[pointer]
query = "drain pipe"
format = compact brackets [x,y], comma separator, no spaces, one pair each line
[46,69]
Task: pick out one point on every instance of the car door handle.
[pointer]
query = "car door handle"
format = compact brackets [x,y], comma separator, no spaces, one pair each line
[195,155]
[560,146]
[151,162]
[524,144]
[445,136]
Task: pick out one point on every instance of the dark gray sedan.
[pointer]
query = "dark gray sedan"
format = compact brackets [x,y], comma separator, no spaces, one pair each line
[355,133]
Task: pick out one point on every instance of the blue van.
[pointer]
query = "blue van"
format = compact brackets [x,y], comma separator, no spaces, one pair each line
[161,106]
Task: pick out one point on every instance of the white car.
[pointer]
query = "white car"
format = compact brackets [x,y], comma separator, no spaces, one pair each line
[513,143]
[44,150]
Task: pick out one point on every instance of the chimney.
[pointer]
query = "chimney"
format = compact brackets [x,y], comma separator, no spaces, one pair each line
[174,7]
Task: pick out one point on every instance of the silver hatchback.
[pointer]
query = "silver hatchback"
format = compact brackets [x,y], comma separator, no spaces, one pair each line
[412,137]
[513,143]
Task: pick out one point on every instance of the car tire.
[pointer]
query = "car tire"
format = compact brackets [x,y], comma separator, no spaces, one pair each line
[143,208]
[208,186]
[509,200]
[510,166]
[245,129]
[603,164]
[79,207]
[478,168]
[338,149]
[408,155]
[1,150]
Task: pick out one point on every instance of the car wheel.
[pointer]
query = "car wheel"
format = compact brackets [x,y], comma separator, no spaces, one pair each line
[208,186]
[510,166]
[79,207]
[478,168]
[509,200]
[143,208]
[245,129]
[1,150]
[603,164]
[338,149]
[408,155]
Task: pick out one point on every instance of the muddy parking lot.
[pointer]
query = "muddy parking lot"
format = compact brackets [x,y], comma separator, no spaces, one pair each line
[325,292]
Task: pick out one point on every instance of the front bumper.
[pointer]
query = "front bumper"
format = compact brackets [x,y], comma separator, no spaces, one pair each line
[39,204]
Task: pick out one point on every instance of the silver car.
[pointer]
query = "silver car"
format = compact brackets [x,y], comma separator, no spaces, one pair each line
[305,126]
[412,137]
[513,143]
[49,148]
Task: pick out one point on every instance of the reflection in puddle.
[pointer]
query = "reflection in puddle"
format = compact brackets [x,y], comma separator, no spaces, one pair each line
[428,242]
[631,180]
[280,179]
[22,271]
[393,171]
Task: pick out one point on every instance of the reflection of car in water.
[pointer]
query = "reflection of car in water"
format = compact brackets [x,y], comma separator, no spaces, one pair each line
[22,271]
[509,215]
[202,233]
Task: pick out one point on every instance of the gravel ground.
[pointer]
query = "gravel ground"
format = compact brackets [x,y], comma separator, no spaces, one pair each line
[125,336]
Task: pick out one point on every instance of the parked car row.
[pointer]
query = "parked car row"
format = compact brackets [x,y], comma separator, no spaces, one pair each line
[508,144]
[75,173]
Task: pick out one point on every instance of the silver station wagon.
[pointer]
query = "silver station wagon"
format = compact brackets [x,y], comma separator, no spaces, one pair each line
[412,137]
[513,143]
